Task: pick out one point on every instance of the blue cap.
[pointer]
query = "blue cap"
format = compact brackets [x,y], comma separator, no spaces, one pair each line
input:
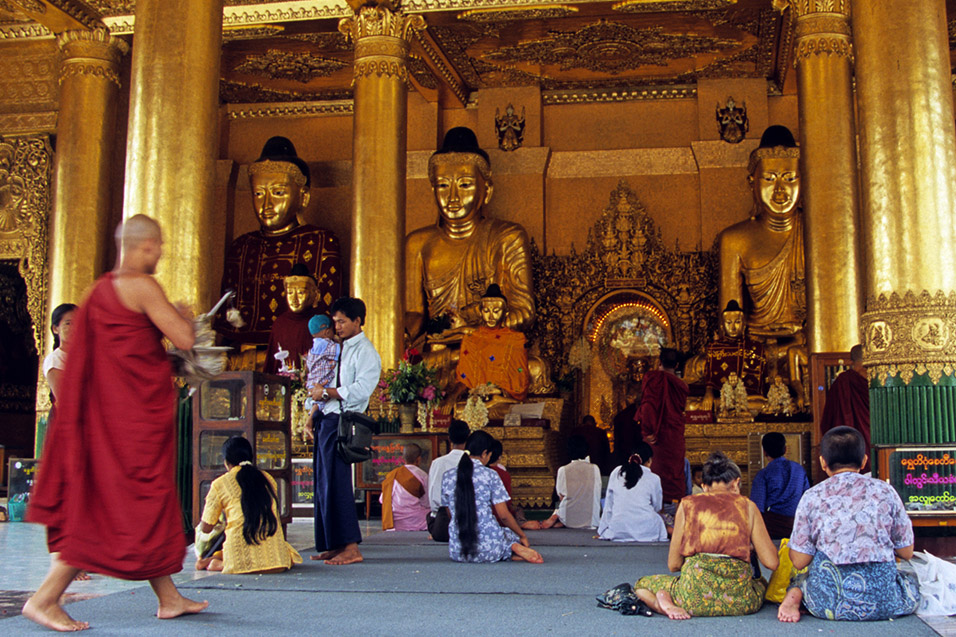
[318,323]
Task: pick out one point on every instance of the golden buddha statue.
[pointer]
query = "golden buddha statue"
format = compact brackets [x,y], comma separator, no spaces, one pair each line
[290,332]
[762,258]
[450,264]
[495,354]
[257,262]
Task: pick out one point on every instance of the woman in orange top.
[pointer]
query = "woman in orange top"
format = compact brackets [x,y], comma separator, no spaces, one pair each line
[714,533]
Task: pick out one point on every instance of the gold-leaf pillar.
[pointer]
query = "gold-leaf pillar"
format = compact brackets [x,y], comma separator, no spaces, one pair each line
[908,178]
[86,125]
[381,36]
[824,63]
[173,139]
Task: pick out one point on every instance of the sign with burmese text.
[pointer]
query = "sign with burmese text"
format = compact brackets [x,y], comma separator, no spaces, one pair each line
[388,455]
[925,478]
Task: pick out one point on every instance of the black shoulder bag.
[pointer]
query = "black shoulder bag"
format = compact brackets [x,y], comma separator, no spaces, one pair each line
[355,430]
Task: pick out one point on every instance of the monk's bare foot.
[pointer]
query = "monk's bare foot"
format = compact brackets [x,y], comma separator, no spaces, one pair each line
[520,552]
[789,610]
[349,555]
[550,522]
[669,608]
[203,563]
[182,606]
[52,617]
[82,576]
[327,555]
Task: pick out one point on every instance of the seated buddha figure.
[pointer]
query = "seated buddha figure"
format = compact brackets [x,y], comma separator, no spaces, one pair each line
[495,354]
[450,264]
[762,258]
[258,261]
[290,332]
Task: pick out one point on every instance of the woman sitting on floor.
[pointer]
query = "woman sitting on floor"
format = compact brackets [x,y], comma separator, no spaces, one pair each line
[633,499]
[470,492]
[849,529]
[254,541]
[713,536]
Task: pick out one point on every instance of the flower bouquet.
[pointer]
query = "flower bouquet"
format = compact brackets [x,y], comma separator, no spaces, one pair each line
[413,386]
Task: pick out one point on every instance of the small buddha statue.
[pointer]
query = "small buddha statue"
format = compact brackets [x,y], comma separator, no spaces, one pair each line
[496,354]
[733,400]
[290,332]
[762,258]
[779,401]
[450,264]
[257,262]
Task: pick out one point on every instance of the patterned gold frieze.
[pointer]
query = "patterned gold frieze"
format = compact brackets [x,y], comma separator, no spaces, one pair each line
[251,32]
[611,47]
[536,12]
[623,95]
[837,46]
[28,82]
[289,109]
[236,92]
[325,41]
[649,6]
[910,334]
[438,63]
[32,6]
[808,7]
[301,67]
[28,123]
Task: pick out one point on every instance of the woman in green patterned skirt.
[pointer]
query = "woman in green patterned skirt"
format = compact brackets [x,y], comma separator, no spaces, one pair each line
[714,533]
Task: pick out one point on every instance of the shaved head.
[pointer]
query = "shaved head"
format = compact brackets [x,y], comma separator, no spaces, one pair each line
[856,354]
[135,230]
[411,453]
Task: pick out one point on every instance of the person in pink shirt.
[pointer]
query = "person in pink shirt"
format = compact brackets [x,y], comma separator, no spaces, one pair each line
[405,494]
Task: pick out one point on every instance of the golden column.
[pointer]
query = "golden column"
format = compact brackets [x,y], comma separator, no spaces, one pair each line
[380,33]
[173,138]
[824,62]
[908,164]
[86,124]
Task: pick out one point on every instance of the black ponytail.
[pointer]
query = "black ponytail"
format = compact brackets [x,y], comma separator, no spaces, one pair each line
[633,471]
[258,495]
[466,511]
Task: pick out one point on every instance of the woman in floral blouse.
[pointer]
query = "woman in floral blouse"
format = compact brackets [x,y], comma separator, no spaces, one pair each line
[849,530]
[470,492]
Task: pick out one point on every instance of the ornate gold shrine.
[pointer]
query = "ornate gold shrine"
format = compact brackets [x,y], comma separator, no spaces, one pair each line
[625,264]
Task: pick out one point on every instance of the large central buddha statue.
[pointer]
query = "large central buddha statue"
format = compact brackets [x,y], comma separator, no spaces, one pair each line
[762,258]
[450,264]
[259,261]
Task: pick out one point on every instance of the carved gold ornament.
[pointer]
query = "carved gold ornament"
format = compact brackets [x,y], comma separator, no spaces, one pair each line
[538,12]
[657,6]
[289,65]
[910,334]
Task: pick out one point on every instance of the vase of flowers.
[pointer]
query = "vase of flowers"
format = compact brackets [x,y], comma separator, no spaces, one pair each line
[409,384]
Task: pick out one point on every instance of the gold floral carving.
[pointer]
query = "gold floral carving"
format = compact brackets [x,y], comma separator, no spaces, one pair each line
[421,72]
[93,70]
[439,64]
[624,252]
[325,41]
[910,334]
[820,23]
[32,6]
[809,7]
[292,109]
[289,65]
[838,46]
[235,92]
[373,21]
[611,47]
[26,168]
[538,12]
[644,6]
[622,95]
[28,123]
[251,32]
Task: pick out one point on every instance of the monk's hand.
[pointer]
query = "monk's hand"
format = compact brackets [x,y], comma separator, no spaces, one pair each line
[651,440]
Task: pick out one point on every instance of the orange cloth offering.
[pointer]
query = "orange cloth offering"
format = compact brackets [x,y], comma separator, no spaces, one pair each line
[495,355]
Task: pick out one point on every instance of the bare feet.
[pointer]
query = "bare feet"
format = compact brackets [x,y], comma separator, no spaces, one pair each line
[531,525]
[552,522]
[53,617]
[522,553]
[669,608]
[327,555]
[183,606]
[349,555]
[82,576]
[789,610]
[202,563]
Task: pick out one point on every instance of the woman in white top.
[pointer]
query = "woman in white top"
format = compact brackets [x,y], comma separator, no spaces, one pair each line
[61,324]
[579,486]
[633,500]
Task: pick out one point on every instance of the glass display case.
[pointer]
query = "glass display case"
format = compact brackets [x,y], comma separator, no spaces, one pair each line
[248,404]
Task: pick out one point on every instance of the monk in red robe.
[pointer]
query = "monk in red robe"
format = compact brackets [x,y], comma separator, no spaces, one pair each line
[848,401]
[106,483]
[661,415]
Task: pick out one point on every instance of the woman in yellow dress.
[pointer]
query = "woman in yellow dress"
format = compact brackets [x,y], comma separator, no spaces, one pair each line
[254,540]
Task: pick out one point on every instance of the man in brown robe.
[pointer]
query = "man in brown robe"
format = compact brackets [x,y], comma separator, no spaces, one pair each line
[661,415]
[848,401]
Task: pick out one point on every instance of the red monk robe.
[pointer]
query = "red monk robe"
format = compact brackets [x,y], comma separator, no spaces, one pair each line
[106,480]
[848,404]
[291,331]
[661,415]
[495,355]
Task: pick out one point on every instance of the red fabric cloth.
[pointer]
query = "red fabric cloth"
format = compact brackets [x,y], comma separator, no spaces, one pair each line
[661,414]
[291,331]
[506,479]
[848,404]
[106,477]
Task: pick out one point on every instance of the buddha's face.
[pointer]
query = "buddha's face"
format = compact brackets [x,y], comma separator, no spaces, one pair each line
[460,190]
[776,184]
[277,200]
[492,311]
[732,379]
[733,324]
[300,295]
